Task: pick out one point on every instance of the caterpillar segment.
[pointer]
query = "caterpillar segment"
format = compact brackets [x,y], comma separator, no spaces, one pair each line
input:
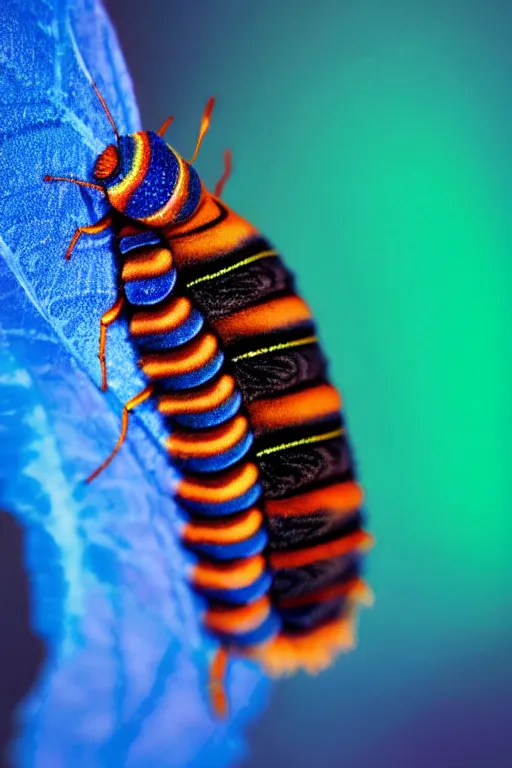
[233,363]
[210,439]
[268,484]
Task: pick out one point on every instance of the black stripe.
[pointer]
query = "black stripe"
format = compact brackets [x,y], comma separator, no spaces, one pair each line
[223,214]
[305,468]
[305,618]
[291,533]
[301,431]
[243,287]
[293,582]
[279,372]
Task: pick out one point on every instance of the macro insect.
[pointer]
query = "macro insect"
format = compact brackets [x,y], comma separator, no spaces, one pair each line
[271,505]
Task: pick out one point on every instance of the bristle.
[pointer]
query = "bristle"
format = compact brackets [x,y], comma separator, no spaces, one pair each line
[311,652]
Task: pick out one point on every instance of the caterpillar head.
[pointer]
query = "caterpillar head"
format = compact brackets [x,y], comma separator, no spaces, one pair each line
[146,180]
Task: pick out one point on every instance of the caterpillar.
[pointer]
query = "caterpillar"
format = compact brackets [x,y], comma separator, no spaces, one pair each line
[272,507]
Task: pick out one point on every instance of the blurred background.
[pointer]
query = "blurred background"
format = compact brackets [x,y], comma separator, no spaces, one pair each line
[371,144]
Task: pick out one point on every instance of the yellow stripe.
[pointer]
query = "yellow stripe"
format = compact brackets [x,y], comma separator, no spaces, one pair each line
[224,271]
[304,441]
[274,347]
[131,178]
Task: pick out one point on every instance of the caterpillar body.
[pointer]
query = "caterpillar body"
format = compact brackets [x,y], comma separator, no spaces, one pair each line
[233,363]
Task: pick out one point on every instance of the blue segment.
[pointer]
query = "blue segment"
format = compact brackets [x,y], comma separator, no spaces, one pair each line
[251,546]
[226,507]
[243,595]
[150,291]
[194,194]
[221,460]
[131,242]
[185,332]
[214,417]
[198,377]
[158,184]
[261,634]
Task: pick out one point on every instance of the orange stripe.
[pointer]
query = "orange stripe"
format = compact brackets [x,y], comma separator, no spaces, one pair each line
[240,619]
[352,588]
[167,318]
[184,359]
[152,263]
[229,531]
[121,193]
[337,499]
[211,242]
[270,316]
[309,555]
[208,442]
[217,490]
[233,576]
[205,400]
[308,405]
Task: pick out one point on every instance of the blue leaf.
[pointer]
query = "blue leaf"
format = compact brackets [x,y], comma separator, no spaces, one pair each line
[125,677]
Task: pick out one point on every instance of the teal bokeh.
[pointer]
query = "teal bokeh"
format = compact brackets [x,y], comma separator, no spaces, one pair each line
[371,143]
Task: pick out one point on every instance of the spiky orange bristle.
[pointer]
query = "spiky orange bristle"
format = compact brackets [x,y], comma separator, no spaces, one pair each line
[312,652]
[315,650]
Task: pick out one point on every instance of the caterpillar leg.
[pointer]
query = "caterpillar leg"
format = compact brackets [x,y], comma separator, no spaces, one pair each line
[105,221]
[109,317]
[217,687]
[141,397]
[91,229]
[219,187]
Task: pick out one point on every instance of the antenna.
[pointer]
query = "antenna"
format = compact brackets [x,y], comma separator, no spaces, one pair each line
[105,108]
[165,125]
[74,181]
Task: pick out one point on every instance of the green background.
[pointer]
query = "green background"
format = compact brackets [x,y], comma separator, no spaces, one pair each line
[371,144]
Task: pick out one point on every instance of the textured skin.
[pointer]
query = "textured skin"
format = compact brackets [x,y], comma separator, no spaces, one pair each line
[174,244]
[126,652]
